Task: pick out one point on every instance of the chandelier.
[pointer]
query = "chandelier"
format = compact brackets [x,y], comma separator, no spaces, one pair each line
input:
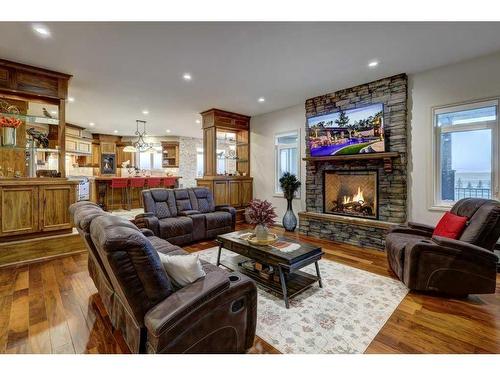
[140,145]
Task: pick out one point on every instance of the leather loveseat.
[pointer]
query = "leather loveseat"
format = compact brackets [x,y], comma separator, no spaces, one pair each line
[460,267]
[181,216]
[215,314]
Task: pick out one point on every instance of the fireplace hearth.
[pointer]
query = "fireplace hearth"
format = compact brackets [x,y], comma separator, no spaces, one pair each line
[351,193]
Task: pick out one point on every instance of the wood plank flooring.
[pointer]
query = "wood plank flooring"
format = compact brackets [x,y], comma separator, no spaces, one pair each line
[53,307]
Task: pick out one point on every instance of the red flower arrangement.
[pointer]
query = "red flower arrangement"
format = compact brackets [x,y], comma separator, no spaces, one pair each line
[260,212]
[10,122]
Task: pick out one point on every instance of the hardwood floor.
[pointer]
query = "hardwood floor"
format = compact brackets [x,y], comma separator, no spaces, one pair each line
[52,307]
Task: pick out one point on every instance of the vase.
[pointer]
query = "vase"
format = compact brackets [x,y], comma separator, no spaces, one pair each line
[289,220]
[8,136]
[261,232]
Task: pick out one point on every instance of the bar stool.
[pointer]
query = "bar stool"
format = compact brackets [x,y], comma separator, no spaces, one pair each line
[119,183]
[153,182]
[169,182]
[136,183]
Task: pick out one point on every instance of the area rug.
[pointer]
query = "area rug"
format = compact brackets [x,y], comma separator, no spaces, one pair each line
[342,317]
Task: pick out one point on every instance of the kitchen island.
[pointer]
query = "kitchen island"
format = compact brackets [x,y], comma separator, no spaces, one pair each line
[130,197]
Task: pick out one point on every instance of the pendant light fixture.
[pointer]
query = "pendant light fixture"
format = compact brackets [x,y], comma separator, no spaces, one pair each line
[140,145]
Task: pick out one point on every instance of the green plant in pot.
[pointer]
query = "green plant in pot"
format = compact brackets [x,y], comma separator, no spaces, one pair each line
[289,185]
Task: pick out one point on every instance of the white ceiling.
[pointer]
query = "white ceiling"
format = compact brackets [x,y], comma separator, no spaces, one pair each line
[120,69]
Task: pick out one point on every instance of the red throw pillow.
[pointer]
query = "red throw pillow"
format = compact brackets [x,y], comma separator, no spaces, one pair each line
[450,226]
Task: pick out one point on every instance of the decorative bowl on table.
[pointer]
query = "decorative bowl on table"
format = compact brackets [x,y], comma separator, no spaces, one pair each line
[252,238]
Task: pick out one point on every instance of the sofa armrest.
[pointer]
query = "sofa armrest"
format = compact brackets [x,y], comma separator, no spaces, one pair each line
[148,221]
[189,212]
[167,312]
[407,230]
[147,232]
[231,210]
[422,227]
[457,247]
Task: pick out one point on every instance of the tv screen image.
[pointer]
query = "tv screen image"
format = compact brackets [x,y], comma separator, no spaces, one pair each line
[353,131]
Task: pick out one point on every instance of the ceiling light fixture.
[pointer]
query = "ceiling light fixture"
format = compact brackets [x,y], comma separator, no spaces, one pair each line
[115,131]
[145,112]
[261,100]
[71,99]
[41,30]
[198,121]
[140,145]
[373,64]
[91,124]
[187,77]
[168,130]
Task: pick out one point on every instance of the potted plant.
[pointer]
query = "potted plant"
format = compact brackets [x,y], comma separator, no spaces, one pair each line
[289,184]
[261,214]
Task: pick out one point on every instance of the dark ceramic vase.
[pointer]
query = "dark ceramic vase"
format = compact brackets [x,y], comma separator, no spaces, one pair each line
[289,220]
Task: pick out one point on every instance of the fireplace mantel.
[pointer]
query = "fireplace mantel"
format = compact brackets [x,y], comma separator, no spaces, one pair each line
[386,156]
[347,220]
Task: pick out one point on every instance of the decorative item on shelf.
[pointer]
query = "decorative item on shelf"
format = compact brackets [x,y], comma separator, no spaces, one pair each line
[289,185]
[9,122]
[262,214]
[42,139]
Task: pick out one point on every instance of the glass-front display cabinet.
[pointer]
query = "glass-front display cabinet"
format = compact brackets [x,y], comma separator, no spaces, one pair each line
[29,138]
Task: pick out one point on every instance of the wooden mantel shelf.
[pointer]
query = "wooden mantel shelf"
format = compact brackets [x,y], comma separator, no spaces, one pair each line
[386,156]
[347,220]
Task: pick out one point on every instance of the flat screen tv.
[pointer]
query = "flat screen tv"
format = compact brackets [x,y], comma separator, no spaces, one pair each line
[353,131]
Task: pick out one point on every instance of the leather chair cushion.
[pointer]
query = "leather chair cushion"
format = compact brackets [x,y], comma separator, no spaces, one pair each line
[161,202]
[202,199]
[182,200]
[163,246]
[218,219]
[175,226]
[396,244]
[84,215]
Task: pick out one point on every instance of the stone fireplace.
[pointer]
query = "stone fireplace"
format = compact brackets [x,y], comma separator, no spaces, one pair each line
[351,193]
[355,199]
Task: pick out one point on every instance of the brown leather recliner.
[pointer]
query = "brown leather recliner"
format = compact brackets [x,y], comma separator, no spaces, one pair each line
[215,314]
[425,262]
[181,216]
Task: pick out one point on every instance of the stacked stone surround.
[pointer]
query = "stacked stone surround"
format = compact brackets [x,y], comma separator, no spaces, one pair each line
[392,189]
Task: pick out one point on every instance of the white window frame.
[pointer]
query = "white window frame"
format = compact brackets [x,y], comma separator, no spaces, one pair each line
[277,149]
[436,202]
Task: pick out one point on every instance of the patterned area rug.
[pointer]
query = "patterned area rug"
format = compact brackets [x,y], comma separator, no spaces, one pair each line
[342,317]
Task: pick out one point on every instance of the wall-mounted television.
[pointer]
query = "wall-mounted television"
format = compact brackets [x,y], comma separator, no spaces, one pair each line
[353,131]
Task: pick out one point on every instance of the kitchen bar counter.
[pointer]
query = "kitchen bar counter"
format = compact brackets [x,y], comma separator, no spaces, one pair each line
[113,199]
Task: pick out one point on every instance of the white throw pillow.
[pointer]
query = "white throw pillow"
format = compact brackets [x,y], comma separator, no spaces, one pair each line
[182,269]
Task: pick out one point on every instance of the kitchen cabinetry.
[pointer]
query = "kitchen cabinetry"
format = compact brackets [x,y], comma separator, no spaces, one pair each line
[170,154]
[35,206]
[233,190]
[108,148]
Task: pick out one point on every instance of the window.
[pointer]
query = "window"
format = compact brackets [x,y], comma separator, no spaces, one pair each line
[199,162]
[149,161]
[466,152]
[286,157]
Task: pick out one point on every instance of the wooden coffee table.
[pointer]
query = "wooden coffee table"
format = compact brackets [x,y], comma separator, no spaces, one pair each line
[289,280]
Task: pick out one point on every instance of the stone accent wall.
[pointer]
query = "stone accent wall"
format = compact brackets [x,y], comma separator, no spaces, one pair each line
[392,92]
[187,160]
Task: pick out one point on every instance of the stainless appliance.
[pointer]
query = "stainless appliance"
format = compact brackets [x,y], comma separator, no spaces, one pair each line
[83,187]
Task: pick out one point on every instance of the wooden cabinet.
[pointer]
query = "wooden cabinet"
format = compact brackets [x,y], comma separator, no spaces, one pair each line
[85,147]
[235,191]
[71,145]
[19,208]
[108,148]
[246,192]
[234,188]
[170,154]
[55,200]
[31,206]
[96,155]
[78,145]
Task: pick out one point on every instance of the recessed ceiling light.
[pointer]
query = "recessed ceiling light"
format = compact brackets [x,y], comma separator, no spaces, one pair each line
[373,64]
[261,100]
[198,121]
[115,131]
[145,112]
[91,124]
[71,99]
[187,77]
[41,30]
[168,130]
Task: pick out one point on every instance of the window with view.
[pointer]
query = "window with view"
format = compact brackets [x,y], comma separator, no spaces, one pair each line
[467,151]
[286,156]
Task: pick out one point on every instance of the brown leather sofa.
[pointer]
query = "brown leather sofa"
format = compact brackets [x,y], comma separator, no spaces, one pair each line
[460,267]
[181,216]
[215,314]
